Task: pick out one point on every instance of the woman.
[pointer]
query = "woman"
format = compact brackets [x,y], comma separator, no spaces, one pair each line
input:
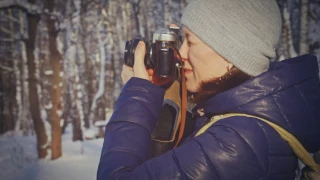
[227,48]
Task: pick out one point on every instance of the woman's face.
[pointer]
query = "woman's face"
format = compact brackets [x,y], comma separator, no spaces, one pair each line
[201,63]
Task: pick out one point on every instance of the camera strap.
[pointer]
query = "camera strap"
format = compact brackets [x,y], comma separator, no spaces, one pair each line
[294,143]
[171,128]
[172,125]
[183,95]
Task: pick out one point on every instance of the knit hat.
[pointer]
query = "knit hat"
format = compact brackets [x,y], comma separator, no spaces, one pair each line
[244,32]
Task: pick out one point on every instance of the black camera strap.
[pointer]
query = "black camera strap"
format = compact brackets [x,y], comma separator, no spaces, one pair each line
[173,123]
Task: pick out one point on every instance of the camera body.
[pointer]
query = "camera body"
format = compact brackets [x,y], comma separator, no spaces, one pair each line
[160,53]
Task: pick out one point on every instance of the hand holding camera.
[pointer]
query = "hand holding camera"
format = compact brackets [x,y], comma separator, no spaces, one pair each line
[154,61]
[139,69]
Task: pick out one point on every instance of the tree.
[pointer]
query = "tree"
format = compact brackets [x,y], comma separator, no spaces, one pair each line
[101,58]
[2,121]
[42,139]
[72,69]
[304,45]
[301,28]
[26,124]
[314,27]
[7,70]
[55,62]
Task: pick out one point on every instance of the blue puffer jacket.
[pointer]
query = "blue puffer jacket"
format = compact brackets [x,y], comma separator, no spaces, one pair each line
[233,148]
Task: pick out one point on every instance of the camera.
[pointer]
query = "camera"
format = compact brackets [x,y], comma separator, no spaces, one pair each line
[160,53]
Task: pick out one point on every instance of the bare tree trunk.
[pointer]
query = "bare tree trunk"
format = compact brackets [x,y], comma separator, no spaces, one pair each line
[72,69]
[124,18]
[55,59]
[136,10]
[86,65]
[44,72]
[26,124]
[144,19]
[16,65]
[77,116]
[304,47]
[76,122]
[288,49]
[68,103]
[129,26]
[101,89]
[150,14]
[2,120]
[66,106]
[33,81]
[6,72]
[79,68]
[113,61]
[167,15]
[9,109]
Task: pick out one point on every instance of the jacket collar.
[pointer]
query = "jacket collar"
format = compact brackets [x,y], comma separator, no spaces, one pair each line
[280,75]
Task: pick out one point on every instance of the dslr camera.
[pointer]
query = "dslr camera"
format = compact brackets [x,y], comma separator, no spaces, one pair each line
[160,53]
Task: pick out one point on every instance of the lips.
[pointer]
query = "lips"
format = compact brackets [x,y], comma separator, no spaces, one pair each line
[187,71]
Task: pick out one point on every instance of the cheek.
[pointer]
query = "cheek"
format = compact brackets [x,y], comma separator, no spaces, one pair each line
[194,57]
[207,64]
[200,62]
[192,85]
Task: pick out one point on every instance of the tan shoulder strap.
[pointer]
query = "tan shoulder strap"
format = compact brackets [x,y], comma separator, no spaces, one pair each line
[297,147]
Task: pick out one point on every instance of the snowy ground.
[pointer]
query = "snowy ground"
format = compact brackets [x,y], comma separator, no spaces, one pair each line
[18,159]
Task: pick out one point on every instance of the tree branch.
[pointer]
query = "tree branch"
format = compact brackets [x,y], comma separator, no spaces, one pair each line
[9,17]
[6,68]
[7,39]
[31,8]
[5,30]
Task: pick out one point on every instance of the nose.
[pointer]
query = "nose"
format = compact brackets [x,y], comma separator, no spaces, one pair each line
[184,51]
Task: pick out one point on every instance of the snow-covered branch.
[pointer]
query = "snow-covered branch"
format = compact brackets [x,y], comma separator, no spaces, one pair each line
[7,3]
[6,68]
[9,17]
[29,7]
[5,30]
[7,39]
[22,4]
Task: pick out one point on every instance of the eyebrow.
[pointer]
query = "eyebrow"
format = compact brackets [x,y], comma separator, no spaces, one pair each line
[187,35]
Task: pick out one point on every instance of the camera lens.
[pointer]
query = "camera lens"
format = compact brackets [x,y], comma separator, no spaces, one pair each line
[127,54]
[165,63]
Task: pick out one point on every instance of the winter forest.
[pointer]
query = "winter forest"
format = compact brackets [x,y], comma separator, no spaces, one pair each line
[60,72]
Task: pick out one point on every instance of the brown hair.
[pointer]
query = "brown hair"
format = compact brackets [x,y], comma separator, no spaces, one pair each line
[231,79]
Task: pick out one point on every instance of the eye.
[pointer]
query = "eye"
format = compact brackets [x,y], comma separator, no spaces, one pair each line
[189,43]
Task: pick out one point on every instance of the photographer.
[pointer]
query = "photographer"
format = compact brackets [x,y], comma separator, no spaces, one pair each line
[227,50]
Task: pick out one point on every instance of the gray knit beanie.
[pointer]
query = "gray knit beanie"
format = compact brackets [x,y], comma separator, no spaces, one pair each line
[244,32]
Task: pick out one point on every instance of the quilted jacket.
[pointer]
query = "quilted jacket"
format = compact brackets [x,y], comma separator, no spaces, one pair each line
[236,148]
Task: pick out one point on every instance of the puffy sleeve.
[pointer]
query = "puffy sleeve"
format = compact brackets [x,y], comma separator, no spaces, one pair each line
[219,153]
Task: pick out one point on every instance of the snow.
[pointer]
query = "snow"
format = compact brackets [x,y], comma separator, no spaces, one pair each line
[79,94]
[48,72]
[18,159]
[59,112]
[48,106]
[100,123]
[89,134]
